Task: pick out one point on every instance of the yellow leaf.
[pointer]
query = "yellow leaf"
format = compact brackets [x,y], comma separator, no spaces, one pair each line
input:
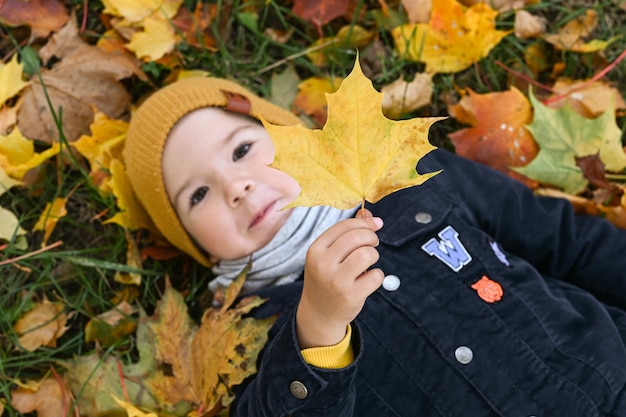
[105,144]
[17,154]
[311,97]
[132,215]
[358,155]
[137,10]
[50,217]
[41,326]
[133,411]
[571,36]
[402,97]
[157,39]
[10,79]
[454,38]
[7,182]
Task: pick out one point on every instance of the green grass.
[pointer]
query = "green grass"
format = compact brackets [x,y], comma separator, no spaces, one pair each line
[79,273]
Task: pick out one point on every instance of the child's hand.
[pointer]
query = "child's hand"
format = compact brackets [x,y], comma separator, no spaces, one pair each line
[336,279]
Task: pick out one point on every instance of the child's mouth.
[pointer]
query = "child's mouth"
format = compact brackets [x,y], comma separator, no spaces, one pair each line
[261,215]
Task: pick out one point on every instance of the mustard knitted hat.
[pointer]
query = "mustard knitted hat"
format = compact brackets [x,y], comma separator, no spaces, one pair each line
[150,126]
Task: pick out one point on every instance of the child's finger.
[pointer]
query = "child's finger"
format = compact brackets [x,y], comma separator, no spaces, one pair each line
[333,233]
[352,241]
[368,282]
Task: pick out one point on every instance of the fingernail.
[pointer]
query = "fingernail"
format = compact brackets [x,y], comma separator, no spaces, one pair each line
[378,222]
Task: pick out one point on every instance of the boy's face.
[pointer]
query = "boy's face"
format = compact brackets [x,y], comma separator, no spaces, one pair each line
[216,174]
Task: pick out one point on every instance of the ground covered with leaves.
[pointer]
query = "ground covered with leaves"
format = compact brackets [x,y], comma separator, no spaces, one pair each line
[90,291]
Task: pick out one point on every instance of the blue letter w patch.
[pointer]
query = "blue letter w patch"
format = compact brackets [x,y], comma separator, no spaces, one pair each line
[449,249]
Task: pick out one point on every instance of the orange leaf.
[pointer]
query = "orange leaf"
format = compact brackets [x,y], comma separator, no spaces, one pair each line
[41,326]
[498,138]
[43,397]
[43,16]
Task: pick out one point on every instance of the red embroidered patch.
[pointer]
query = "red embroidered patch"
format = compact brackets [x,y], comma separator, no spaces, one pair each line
[489,290]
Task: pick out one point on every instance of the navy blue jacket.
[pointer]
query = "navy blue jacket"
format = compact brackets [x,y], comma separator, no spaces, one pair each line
[495,303]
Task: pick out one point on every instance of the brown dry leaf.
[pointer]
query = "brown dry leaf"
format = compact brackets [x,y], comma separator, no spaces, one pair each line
[402,97]
[498,137]
[320,12]
[50,216]
[41,326]
[43,16]
[311,97]
[528,25]
[85,78]
[418,11]
[46,398]
[589,99]
[358,155]
[196,28]
[8,117]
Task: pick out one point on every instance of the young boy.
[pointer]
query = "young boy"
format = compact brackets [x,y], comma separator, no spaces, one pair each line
[478,299]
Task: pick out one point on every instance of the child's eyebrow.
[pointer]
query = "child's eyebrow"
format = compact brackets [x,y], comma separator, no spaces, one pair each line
[233,133]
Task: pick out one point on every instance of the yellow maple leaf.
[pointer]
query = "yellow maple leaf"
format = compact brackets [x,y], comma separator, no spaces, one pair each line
[358,155]
[157,39]
[50,217]
[454,38]
[17,154]
[105,144]
[10,79]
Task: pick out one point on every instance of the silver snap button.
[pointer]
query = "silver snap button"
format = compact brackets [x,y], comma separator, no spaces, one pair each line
[463,355]
[423,218]
[391,283]
[298,390]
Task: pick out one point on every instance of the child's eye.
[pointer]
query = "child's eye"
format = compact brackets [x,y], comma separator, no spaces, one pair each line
[241,151]
[198,195]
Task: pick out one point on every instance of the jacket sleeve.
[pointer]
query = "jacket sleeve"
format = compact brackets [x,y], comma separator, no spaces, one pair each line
[286,385]
[587,251]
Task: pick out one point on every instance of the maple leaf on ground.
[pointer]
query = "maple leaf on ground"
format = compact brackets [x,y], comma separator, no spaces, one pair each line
[589,99]
[50,216]
[453,39]
[18,156]
[320,12]
[498,137]
[401,97]
[563,135]
[358,155]
[183,368]
[311,97]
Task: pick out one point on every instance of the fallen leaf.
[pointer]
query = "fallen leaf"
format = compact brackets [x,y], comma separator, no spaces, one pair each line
[85,79]
[111,326]
[11,81]
[501,5]
[563,135]
[350,37]
[157,39]
[43,16]
[589,99]
[18,156]
[105,144]
[284,87]
[418,10]
[593,169]
[311,97]
[8,117]
[133,259]
[453,39]
[528,25]
[132,215]
[133,411]
[401,97]
[49,218]
[7,182]
[10,229]
[358,155]
[572,36]
[498,137]
[41,326]
[320,12]
[46,398]
[136,11]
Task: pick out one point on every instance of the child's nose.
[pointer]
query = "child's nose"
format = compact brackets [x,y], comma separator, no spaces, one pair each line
[238,191]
